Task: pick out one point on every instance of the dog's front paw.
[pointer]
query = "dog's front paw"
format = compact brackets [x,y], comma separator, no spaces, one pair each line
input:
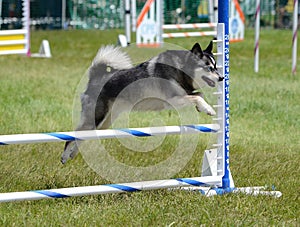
[70,151]
[206,109]
[203,106]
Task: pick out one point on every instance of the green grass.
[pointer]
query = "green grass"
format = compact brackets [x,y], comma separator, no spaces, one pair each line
[37,96]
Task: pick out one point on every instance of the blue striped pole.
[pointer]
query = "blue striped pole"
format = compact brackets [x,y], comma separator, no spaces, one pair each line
[223,17]
[106,134]
[109,188]
[205,185]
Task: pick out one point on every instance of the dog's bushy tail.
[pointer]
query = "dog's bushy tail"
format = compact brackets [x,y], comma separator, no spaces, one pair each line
[112,57]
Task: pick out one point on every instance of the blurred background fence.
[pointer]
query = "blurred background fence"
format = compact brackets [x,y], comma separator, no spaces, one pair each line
[106,14]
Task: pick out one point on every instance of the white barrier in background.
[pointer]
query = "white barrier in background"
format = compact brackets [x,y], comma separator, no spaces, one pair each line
[17,41]
[189,26]
[151,30]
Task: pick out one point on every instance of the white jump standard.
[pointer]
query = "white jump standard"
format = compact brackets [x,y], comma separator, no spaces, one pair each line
[17,41]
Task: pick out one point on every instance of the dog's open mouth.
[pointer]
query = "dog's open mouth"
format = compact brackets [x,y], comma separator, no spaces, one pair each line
[210,82]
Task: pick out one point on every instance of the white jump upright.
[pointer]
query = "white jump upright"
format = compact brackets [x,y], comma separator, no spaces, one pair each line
[295,35]
[17,41]
[257,29]
[127,21]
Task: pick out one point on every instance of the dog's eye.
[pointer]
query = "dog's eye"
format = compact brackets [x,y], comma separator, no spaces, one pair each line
[209,69]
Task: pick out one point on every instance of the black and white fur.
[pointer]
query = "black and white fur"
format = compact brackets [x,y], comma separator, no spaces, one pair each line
[168,79]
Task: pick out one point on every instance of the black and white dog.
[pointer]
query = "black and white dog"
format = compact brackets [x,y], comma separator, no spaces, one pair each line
[168,79]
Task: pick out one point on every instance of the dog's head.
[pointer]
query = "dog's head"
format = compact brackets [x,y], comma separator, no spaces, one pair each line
[205,71]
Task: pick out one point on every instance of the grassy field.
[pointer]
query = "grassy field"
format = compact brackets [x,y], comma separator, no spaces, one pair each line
[37,96]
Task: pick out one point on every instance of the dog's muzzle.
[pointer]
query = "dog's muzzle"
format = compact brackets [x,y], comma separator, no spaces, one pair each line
[221,78]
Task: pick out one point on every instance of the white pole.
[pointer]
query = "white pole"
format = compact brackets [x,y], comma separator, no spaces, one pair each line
[215,2]
[75,14]
[257,28]
[0,11]
[295,31]
[26,24]
[133,15]
[159,21]
[63,14]
[211,10]
[127,21]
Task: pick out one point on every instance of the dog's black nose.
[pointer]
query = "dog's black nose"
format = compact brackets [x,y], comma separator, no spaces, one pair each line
[221,78]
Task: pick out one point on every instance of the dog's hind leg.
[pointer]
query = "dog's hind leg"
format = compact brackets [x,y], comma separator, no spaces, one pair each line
[92,114]
[103,120]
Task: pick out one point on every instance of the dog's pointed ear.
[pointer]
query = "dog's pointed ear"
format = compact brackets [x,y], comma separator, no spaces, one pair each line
[209,48]
[197,50]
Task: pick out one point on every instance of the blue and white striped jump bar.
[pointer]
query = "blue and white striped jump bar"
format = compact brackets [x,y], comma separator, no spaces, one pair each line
[200,184]
[106,134]
[109,188]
